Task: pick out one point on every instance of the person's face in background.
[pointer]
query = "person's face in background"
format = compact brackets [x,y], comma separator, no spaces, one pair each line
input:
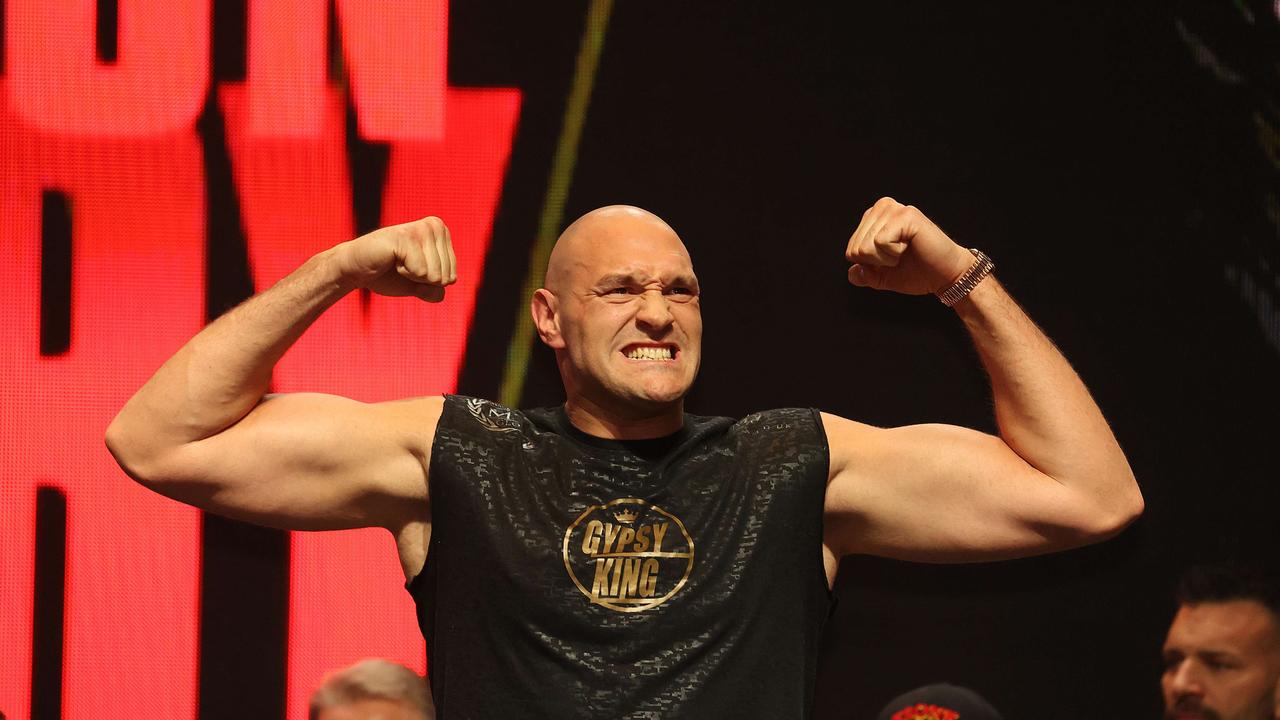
[1222,662]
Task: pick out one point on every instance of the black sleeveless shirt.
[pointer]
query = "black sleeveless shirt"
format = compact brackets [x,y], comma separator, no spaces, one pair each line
[572,577]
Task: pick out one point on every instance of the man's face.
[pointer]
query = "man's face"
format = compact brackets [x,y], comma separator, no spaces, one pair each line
[630,323]
[1221,662]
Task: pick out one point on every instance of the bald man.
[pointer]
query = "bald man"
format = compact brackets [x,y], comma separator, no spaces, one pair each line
[616,556]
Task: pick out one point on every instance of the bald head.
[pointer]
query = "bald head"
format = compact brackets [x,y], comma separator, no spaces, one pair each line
[620,308]
[605,231]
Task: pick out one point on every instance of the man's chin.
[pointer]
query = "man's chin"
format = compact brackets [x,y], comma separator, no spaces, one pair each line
[650,401]
[650,404]
[664,395]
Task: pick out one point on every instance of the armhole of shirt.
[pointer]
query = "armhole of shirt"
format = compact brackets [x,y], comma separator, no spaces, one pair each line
[449,399]
[828,590]
[816,414]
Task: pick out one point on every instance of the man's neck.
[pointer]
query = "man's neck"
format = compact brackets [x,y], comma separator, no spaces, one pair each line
[593,419]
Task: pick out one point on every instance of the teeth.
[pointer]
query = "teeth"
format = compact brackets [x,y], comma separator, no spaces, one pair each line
[650,353]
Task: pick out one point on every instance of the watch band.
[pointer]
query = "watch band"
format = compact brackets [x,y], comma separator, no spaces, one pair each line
[981,268]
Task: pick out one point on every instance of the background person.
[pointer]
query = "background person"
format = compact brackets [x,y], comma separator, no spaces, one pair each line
[372,689]
[1222,652]
[941,701]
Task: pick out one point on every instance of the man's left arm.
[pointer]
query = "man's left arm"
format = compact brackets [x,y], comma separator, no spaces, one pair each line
[1054,478]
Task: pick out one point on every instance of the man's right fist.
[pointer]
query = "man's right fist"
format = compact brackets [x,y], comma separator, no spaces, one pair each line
[415,258]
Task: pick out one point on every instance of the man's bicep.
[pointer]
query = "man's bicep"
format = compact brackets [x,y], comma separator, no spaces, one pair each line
[313,462]
[941,493]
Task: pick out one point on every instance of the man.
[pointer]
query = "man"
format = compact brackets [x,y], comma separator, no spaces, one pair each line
[372,689]
[616,556]
[1222,653]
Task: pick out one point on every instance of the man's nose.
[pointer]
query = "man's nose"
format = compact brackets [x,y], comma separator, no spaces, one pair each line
[654,312]
[1186,679]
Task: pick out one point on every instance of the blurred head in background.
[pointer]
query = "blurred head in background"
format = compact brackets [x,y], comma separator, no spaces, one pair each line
[372,690]
[939,702]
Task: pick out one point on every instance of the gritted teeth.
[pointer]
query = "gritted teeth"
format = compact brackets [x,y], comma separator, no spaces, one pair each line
[650,352]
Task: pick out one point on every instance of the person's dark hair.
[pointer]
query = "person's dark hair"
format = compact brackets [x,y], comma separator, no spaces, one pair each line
[941,700]
[1212,583]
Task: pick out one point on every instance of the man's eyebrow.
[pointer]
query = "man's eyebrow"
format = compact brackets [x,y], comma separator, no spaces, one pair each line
[1215,654]
[626,279]
[615,279]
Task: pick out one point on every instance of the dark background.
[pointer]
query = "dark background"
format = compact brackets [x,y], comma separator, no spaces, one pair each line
[1107,163]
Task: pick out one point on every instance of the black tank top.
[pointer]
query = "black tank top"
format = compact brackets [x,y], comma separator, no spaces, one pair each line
[572,577]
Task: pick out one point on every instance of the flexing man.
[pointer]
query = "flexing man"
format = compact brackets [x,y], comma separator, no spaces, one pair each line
[616,555]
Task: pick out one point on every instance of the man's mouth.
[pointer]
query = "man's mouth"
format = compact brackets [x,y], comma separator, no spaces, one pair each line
[650,352]
[1191,709]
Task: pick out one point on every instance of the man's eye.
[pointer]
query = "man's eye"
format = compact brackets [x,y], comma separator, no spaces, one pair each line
[617,291]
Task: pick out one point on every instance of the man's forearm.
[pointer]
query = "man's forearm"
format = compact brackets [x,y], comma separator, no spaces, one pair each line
[1044,412]
[223,372]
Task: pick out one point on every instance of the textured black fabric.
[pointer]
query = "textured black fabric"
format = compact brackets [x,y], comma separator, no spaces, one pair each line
[569,576]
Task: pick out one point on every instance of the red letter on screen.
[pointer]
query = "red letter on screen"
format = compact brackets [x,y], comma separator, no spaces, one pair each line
[133,557]
[394,55]
[56,83]
[346,595]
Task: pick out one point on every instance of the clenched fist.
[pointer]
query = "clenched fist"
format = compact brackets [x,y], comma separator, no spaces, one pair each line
[415,258]
[897,248]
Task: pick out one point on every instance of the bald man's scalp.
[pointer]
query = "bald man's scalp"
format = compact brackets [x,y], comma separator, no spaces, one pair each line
[595,226]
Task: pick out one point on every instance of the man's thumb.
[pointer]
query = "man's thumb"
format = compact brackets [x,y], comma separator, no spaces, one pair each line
[864,276]
[430,293]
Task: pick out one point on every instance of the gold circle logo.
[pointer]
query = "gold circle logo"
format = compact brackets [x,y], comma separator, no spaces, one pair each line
[628,555]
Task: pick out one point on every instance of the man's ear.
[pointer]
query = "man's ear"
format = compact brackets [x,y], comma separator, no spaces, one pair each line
[546,317]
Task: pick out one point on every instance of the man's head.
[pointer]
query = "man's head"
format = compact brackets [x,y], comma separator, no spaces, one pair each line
[1222,653]
[372,690]
[620,308]
[941,701]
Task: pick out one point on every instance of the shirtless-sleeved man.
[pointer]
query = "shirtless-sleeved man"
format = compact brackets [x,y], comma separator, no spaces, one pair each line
[617,556]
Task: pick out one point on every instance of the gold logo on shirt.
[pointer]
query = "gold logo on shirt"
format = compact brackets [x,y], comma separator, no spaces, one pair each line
[628,555]
[492,416]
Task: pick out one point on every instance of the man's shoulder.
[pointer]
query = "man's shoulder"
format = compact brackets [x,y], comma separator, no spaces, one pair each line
[485,415]
[779,420]
[766,429]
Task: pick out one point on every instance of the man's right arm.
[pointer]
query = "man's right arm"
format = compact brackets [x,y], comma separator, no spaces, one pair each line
[202,432]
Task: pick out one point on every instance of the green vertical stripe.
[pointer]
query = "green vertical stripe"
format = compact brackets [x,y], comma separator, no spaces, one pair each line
[575,114]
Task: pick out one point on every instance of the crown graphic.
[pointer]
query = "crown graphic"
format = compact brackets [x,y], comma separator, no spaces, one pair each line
[626,516]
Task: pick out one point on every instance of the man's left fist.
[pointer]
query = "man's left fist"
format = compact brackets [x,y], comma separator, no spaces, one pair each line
[897,248]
